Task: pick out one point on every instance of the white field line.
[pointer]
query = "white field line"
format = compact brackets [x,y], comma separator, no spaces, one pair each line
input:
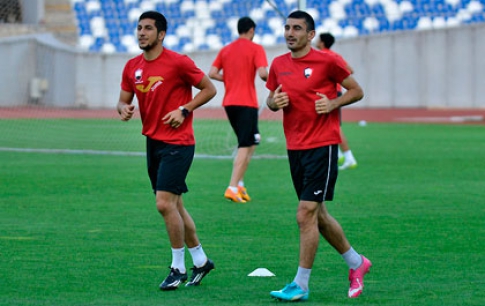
[69,151]
[123,153]
[457,119]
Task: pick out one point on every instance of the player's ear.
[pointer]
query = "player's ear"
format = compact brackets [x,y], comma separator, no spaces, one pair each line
[161,35]
[311,34]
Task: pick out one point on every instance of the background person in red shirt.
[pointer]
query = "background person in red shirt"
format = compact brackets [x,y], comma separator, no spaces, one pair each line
[236,65]
[162,81]
[324,44]
[303,84]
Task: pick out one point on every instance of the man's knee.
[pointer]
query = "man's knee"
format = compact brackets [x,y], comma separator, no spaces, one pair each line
[306,213]
[165,202]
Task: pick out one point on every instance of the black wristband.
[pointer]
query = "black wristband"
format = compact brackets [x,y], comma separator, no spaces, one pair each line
[185,112]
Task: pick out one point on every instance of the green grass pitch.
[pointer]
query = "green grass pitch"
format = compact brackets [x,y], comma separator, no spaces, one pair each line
[82,229]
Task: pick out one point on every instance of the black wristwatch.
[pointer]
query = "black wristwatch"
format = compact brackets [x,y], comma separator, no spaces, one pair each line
[185,112]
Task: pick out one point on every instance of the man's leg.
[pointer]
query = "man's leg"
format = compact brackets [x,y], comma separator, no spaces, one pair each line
[349,160]
[334,234]
[344,145]
[202,264]
[167,206]
[331,230]
[307,218]
[240,165]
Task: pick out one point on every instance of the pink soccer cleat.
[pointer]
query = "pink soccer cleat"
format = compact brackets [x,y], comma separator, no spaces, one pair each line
[356,278]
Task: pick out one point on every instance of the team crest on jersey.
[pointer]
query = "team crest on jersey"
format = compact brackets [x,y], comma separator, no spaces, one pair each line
[308,72]
[138,74]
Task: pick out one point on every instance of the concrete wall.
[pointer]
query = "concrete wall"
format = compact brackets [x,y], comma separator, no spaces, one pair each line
[436,68]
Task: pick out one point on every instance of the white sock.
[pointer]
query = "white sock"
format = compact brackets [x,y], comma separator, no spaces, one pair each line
[352,258]
[233,189]
[241,183]
[349,156]
[198,256]
[302,278]
[178,259]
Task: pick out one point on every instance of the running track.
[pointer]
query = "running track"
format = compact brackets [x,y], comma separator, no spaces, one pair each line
[410,115]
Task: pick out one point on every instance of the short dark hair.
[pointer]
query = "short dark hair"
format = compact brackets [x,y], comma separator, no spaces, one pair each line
[160,20]
[327,39]
[310,23]
[245,24]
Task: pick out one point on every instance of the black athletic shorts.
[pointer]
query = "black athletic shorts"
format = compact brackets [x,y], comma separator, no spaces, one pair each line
[244,122]
[168,165]
[314,172]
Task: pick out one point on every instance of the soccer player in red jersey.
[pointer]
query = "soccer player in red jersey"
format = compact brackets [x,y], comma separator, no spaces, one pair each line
[324,44]
[302,83]
[236,65]
[162,81]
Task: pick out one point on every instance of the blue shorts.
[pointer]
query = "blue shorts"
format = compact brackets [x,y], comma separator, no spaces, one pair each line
[314,172]
[244,122]
[168,165]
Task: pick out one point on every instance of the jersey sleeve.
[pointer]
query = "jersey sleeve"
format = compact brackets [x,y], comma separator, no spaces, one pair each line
[261,60]
[126,83]
[192,74]
[218,62]
[339,69]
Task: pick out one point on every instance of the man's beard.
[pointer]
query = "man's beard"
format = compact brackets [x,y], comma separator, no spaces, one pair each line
[148,47]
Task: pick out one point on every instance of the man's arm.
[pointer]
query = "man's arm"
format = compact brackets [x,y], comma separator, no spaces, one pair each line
[215,74]
[353,92]
[124,106]
[207,92]
[263,73]
[349,68]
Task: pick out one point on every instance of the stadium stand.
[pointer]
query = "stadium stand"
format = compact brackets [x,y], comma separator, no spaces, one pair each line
[109,25]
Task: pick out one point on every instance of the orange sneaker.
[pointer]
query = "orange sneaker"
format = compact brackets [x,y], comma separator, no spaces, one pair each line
[233,196]
[244,193]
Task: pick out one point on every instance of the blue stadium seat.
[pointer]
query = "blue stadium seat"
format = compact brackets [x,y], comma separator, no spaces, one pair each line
[84,28]
[397,25]
[204,47]
[476,18]
[280,40]
[324,13]
[384,25]
[97,45]
[121,49]
[409,21]
[378,11]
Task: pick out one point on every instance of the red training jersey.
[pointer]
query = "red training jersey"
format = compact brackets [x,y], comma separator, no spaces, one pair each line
[301,78]
[161,86]
[239,62]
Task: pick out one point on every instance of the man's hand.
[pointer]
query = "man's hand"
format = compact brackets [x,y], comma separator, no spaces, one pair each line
[280,99]
[324,105]
[126,112]
[174,118]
